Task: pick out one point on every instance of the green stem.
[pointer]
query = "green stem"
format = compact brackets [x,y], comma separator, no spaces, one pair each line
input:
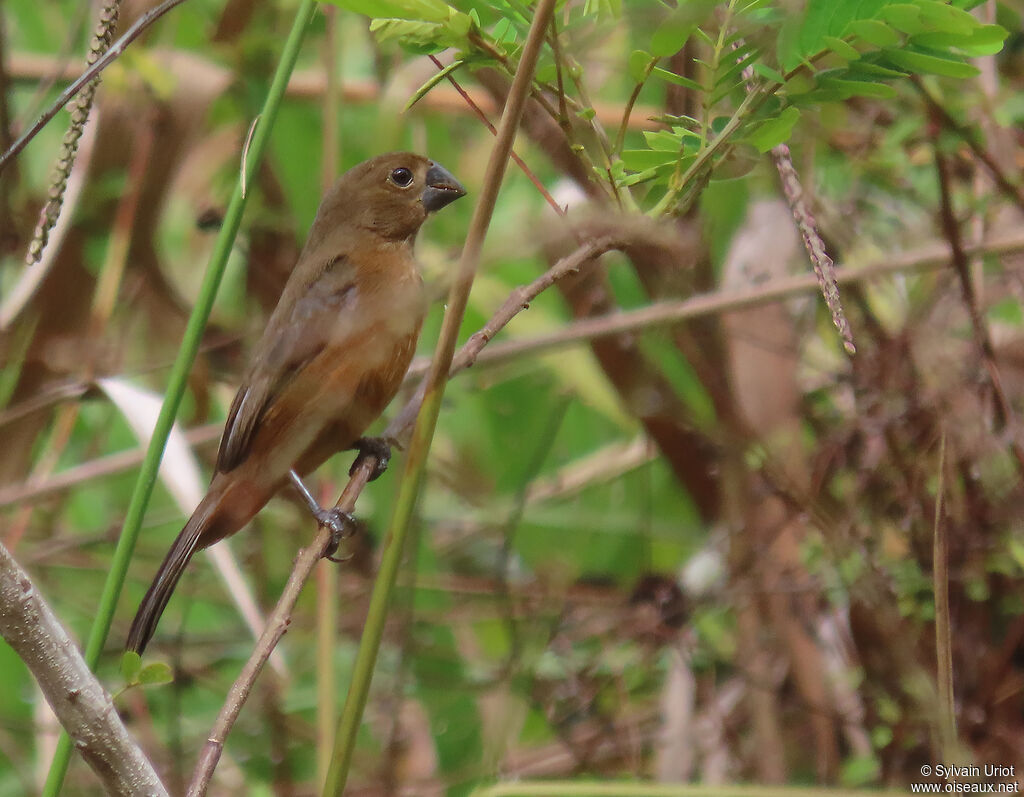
[426,421]
[179,375]
[749,105]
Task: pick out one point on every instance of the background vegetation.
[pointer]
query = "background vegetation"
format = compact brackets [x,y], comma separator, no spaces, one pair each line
[712,548]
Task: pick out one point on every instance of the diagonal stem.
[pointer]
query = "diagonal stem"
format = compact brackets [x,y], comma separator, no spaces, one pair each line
[426,422]
[179,375]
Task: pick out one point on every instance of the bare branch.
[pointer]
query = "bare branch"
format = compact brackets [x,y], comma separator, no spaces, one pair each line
[89,75]
[277,625]
[80,702]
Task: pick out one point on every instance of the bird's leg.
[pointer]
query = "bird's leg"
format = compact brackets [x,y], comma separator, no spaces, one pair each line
[379,447]
[340,523]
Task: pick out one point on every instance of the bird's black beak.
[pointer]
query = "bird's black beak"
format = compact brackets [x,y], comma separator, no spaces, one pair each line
[442,188]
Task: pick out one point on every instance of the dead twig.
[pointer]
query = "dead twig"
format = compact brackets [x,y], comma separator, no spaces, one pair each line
[962,266]
[277,625]
[475,108]
[101,63]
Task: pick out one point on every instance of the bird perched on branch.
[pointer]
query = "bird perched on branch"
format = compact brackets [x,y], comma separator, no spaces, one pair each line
[332,356]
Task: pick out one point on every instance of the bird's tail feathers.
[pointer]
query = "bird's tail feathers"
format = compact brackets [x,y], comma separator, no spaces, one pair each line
[196,534]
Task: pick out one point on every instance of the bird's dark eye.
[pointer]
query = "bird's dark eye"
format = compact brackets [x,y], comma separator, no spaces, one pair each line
[401,177]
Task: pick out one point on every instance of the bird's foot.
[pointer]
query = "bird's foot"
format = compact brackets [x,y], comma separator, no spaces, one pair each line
[340,523]
[377,447]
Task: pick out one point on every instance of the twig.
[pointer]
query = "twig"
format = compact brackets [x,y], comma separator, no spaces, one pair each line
[146,477]
[277,625]
[517,301]
[1014,192]
[940,587]
[88,75]
[654,315]
[668,313]
[80,702]
[95,469]
[426,420]
[627,111]
[824,268]
[326,572]
[309,85]
[305,563]
[494,131]
[962,266]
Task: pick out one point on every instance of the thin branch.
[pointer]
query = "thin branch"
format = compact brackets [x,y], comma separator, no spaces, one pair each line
[1014,192]
[426,420]
[310,85]
[494,131]
[627,111]
[654,315]
[277,625]
[95,469]
[943,632]
[668,313]
[962,266]
[278,620]
[80,702]
[101,63]
[517,301]
[146,478]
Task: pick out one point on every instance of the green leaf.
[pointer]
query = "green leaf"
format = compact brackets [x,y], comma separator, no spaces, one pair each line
[678,26]
[927,64]
[639,62]
[421,92]
[156,673]
[987,36]
[800,83]
[640,159]
[832,18]
[662,140]
[905,17]
[679,80]
[768,73]
[872,67]
[842,48]
[874,32]
[415,34]
[983,40]
[859,88]
[671,35]
[947,18]
[654,172]
[732,74]
[131,663]
[772,132]
[415,10]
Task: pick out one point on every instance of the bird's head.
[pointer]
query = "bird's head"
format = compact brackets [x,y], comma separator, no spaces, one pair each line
[390,195]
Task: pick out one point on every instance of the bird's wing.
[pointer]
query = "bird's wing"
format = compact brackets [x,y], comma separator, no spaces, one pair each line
[288,345]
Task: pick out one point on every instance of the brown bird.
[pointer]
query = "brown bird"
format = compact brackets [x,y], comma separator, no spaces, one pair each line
[332,357]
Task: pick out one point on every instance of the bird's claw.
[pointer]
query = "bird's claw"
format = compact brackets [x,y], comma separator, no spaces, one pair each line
[340,523]
[377,447]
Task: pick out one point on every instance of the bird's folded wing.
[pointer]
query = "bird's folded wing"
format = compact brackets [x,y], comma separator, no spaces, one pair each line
[288,345]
